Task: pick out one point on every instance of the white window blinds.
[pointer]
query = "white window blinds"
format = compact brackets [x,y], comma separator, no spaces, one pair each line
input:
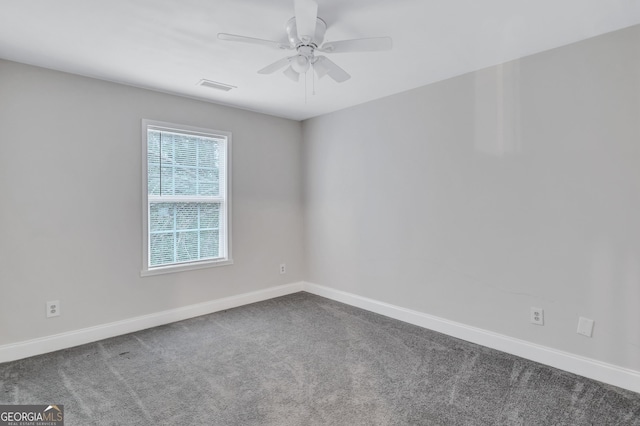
[186,193]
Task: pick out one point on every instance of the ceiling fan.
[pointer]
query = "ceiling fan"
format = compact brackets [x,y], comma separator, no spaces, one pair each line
[305,33]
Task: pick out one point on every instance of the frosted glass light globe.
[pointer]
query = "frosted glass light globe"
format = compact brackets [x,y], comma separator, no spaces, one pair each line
[300,64]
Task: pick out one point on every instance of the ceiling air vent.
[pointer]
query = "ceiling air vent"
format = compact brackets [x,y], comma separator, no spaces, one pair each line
[215,85]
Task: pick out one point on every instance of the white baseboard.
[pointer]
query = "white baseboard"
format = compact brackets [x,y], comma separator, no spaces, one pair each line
[27,348]
[586,367]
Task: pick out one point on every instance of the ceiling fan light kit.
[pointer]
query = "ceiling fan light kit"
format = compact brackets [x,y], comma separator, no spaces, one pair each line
[305,34]
[292,74]
[300,64]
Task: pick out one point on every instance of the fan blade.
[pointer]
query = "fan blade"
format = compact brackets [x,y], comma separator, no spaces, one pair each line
[276,65]
[306,15]
[324,65]
[320,67]
[244,39]
[358,45]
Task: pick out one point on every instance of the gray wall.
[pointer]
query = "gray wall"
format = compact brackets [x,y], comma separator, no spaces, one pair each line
[475,198]
[70,216]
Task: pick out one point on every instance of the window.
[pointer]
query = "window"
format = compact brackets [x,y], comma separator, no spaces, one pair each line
[186,197]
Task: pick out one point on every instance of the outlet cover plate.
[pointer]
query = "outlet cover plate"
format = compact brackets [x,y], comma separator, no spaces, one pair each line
[53,308]
[537,316]
[585,326]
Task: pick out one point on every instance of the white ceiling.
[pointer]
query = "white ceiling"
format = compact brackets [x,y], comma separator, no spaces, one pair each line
[170,45]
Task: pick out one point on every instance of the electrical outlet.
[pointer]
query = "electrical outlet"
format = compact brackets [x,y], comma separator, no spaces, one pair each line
[53,308]
[585,326]
[283,268]
[537,316]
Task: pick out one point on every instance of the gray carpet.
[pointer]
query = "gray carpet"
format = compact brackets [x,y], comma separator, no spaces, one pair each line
[305,360]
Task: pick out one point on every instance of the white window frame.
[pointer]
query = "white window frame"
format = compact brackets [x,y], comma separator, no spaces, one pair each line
[225,200]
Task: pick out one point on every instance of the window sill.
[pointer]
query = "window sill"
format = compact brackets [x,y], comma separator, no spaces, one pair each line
[185,267]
